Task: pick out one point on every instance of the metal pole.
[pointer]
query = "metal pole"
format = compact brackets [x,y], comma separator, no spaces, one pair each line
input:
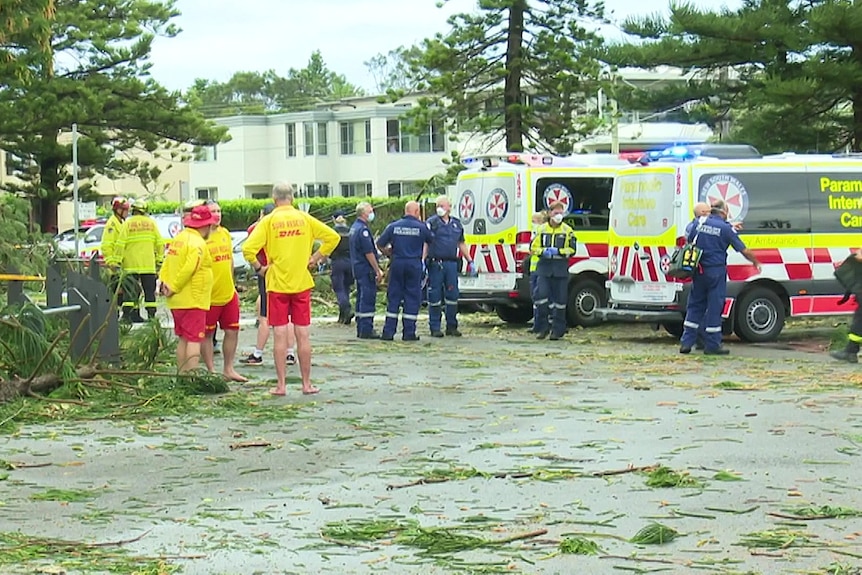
[615,128]
[75,186]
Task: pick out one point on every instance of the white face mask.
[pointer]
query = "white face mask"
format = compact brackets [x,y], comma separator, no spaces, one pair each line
[441,212]
[557,218]
[371,217]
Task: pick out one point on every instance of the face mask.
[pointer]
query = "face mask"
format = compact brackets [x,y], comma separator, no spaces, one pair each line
[557,218]
[371,217]
[441,212]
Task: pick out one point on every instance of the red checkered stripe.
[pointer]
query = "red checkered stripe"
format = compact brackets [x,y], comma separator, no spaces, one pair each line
[499,259]
[596,251]
[627,262]
[784,264]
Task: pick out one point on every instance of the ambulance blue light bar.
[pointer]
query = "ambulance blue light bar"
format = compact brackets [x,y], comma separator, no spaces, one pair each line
[693,151]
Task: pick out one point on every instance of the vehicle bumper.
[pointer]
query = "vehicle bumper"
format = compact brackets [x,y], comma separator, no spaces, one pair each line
[516,297]
[617,314]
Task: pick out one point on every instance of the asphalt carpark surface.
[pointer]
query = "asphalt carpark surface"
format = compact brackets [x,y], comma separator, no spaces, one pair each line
[783,418]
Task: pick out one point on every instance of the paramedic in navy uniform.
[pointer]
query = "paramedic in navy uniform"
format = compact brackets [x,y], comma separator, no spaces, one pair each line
[366,270]
[709,285]
[443,264]
[406,240]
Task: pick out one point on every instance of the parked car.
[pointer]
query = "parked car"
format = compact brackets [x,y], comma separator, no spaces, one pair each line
[241,268]
[90,242]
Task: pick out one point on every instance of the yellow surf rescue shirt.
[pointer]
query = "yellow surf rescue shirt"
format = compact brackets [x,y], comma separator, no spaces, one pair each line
[188,271]
[220,246]
[287,236]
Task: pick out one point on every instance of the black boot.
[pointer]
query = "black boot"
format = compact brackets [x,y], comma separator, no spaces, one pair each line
[848,354]
[151,313]
[341,315]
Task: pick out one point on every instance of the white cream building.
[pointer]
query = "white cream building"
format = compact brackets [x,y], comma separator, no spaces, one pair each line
[359,147]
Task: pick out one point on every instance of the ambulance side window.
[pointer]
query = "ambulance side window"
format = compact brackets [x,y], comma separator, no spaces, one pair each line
[764,202]
[582,195]
[836,201]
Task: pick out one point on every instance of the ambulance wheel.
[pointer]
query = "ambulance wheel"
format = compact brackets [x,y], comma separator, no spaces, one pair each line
[759,316]
[585,297]
[520,314]
[675,329]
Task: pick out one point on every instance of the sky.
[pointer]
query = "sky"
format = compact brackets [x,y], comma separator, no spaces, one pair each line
[221,37]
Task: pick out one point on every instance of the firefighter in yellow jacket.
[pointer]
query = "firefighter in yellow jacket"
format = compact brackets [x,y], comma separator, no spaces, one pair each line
[187,281]
[139,251]
[110,235]
[553,245]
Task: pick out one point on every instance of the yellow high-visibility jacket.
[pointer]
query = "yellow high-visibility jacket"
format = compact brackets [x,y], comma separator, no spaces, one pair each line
[110,235]
[140,247]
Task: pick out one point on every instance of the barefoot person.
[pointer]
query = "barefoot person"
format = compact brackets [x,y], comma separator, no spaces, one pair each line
[186,280]
[287,235]
[224,301]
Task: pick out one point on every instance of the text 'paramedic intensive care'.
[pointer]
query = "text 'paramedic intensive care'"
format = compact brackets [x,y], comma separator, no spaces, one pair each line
[634,199]
[837,202]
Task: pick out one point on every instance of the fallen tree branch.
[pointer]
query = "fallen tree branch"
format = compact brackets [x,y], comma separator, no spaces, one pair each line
[246,444]
[517,475]
[42,384]
[521,537]
[646,559]
[799,517]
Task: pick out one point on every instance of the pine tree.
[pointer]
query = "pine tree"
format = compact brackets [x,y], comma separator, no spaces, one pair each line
[787,73]
[517,70]
[85,62]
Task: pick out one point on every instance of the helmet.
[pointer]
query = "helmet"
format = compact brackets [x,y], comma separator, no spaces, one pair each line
[119,203]
[139,206]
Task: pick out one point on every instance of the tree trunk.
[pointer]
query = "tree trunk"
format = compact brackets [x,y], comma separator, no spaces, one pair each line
[48,216]
[15,388]
[514,111]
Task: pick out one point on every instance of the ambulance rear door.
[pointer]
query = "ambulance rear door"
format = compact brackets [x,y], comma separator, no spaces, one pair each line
[646,219]
[488,202]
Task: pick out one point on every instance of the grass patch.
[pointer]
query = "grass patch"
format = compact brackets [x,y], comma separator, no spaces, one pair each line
[65,495]
[777,539]
[824,512]
[655,534]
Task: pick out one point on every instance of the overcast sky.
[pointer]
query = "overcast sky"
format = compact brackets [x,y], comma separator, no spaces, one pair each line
[221,37]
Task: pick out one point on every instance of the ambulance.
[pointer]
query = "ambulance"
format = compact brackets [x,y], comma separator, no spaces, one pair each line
[495,198]
[800,214]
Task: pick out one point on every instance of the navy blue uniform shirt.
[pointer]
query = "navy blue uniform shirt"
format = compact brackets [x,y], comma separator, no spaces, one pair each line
[447,237]
[361,243]
[408,236]
[714,236]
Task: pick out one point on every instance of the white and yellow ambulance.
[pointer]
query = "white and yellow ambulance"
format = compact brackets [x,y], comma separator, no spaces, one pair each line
[800,214]
[495,199]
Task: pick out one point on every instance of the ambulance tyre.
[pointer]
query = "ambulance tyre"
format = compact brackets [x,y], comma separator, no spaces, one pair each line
[673,328]
[585,297]
[760,315]
[519,314]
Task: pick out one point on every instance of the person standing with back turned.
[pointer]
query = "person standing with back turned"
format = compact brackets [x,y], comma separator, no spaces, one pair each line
[342,269]
[407,241]
[709,284]
[287,235]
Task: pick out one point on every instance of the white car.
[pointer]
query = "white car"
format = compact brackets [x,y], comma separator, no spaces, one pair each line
[240,266]
[90,242]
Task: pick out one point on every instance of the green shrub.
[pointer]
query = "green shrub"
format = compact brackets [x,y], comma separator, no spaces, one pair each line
[239,214]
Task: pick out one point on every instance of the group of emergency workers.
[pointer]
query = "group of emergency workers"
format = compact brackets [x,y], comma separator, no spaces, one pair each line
[133,249]
[417,251]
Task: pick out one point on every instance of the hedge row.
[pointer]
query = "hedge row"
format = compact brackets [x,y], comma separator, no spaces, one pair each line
[239,214]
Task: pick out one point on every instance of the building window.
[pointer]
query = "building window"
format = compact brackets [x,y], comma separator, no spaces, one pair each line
[316,190]
[368,137]
[404,189]
[308,138]
[206,193]
[206,153]
[290,139]
[401,139]
[354,189]
[321,138]
[346,131]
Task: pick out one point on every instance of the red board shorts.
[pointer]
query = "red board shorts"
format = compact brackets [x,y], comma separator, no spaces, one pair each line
[226,316]
[190,324]
[285,308]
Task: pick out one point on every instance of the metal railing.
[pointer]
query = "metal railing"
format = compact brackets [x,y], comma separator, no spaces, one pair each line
[89,306]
